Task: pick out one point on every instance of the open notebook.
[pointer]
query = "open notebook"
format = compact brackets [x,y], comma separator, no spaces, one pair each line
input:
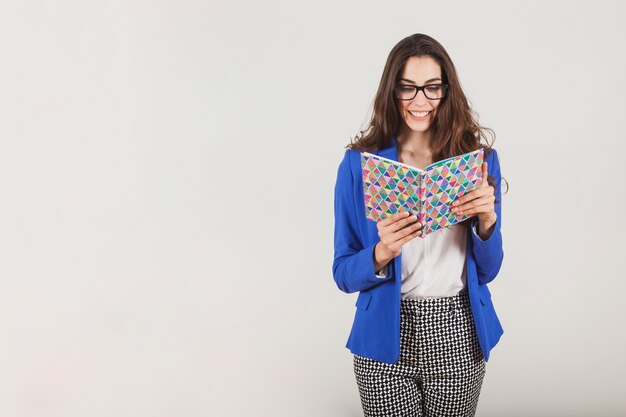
[390,186]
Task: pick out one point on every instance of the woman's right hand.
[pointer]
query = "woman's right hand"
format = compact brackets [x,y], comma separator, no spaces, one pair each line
[394,231]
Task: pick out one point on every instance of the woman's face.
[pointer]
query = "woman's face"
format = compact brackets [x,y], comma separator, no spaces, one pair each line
[419,112]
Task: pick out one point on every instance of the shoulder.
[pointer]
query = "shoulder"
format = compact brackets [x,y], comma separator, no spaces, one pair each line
[352,155]
[491,154]
[351,162]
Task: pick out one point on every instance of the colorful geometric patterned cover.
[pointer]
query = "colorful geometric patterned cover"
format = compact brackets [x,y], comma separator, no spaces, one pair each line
[390,185]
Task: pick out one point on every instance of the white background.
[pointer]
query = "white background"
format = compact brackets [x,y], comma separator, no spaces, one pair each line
[167,173]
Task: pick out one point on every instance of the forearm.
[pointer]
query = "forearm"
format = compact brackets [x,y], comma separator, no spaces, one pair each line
[487,252]
[356,272]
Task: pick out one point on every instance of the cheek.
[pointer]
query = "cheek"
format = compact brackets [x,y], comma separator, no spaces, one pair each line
[401,109]
[436,109]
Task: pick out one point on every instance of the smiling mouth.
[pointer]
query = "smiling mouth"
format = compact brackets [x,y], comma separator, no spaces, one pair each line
[419,113]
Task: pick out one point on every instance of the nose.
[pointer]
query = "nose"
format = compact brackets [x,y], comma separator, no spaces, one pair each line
[420,97]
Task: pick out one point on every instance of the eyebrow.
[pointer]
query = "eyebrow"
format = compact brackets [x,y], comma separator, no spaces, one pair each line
[426,82]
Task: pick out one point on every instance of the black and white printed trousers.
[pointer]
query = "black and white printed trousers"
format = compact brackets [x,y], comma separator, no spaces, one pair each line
[440,370]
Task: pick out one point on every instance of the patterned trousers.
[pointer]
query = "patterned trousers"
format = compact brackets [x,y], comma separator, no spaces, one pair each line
[440,370]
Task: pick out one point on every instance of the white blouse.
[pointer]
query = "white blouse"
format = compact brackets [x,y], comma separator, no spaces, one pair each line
[434,267]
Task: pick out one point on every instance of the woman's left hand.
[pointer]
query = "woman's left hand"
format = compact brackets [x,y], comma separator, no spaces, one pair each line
[480,202]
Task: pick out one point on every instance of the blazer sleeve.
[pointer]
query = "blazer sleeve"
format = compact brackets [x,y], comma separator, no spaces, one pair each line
[353,264]
[489,253]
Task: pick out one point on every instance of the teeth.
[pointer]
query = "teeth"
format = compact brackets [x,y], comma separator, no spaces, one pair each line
[419,114]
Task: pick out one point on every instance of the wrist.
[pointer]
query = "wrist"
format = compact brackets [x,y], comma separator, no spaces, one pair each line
[381,256]
[486,226]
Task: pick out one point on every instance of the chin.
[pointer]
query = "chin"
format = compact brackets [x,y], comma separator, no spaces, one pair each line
[421,128]
[418,127]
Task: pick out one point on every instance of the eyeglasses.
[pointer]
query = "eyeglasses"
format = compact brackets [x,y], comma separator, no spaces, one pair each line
[431,91]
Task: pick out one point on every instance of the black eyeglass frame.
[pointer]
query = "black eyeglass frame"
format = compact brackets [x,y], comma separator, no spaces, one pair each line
[417,90]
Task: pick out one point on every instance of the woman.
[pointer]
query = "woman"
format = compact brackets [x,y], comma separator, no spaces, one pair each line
[424,323]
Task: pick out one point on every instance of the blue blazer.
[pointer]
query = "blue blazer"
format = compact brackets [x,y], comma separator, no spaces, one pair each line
[376,329]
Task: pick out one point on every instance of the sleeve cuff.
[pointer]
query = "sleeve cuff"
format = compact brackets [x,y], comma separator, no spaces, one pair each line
[474,227]
[475,231]
[382,273]
[485,250]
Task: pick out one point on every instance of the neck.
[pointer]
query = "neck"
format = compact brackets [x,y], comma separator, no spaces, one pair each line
[415,143]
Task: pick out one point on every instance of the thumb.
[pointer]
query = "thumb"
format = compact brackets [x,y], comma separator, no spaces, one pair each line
[485,173]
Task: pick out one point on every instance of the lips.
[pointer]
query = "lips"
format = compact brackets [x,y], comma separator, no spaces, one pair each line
[420,115]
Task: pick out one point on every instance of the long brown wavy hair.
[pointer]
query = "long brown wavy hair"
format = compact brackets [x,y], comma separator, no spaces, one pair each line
[454,129]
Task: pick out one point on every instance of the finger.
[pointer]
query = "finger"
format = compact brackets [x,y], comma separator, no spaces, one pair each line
[394,218]
[485,196]
[396,244]
[400,224]
[465,208]
[384,232]
[402,233]
[483,208]
[472,195]
[409,237]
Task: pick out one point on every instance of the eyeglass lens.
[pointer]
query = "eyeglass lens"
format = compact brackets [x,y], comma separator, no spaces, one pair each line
[408,92]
